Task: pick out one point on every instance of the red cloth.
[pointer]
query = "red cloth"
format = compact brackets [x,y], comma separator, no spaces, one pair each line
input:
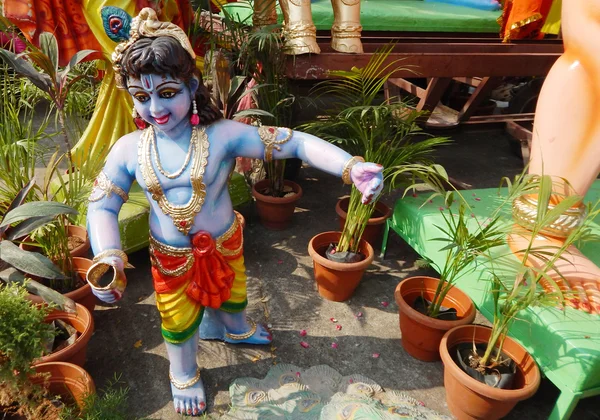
[211,277]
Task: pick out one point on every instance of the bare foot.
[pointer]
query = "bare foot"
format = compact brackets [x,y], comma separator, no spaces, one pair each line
[225,326]
[189,401]
[582,275]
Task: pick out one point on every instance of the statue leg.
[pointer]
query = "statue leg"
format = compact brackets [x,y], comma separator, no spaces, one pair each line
[566,137]
[188,395]
[264,13]
[233,328]
[346,29]
[300,32]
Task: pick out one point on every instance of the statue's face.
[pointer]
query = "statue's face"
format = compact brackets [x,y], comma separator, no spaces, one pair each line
[163,101]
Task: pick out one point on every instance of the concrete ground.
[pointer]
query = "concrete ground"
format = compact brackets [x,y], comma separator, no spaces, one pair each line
[282,294]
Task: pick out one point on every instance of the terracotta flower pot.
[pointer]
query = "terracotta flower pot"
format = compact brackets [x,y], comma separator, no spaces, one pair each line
[337,281]
[275,213]
[421,334]
[80,250]
[69,381]
[373,233]
[468,398]
[83,322]
[82,295]
[80,232]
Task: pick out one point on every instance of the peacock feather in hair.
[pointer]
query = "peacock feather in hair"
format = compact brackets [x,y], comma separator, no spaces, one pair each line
[116,22]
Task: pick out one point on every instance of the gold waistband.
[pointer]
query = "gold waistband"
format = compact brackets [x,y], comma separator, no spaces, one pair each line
[172,251]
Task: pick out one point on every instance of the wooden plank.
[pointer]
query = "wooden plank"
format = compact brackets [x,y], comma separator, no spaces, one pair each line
[407,86]
[435,89]
[420,64]
[523,135]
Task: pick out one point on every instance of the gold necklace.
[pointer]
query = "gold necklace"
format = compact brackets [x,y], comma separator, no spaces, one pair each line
[177,173]
[181,214]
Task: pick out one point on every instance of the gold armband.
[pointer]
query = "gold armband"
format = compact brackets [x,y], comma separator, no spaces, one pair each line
[268,135]
[114,253]
[348,168]
[525,210]
[104,187]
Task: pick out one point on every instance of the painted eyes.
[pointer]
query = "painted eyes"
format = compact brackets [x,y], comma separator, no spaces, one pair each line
[165,94]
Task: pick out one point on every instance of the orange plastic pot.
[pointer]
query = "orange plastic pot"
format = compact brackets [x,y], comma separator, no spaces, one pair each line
[373,232]
[76,353]
[81,232]
[337,281]
[275,213]
[69,381]
[470,399]
[421,334]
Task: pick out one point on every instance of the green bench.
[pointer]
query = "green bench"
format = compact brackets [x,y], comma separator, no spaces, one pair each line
[566,345]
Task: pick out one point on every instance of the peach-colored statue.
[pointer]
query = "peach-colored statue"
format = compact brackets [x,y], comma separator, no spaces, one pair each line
[566,134]
[300,32]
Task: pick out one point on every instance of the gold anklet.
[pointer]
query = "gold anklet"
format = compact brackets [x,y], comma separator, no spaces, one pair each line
[525,209]
[243,336]
[185,385]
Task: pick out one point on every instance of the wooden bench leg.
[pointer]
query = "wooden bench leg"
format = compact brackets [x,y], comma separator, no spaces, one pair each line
[483,89]
[435,89]
[565,404]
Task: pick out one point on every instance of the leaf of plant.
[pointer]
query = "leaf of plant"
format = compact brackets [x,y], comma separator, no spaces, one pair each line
[17,201]
[26,227]
[29,262]
[11,275]
[76,59]
[49,46]
[36,209]
[24,68]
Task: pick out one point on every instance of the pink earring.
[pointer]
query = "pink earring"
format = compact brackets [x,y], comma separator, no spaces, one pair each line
[194,119]
[139,122]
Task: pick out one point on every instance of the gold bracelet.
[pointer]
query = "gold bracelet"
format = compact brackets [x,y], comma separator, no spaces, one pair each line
[185,385]
[113,253]
[243,336]
[97,270]
[525,210]
[348,168]
[268,135]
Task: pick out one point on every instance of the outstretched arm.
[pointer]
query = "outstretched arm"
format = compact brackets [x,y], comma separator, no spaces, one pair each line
[110,192]
[282,143]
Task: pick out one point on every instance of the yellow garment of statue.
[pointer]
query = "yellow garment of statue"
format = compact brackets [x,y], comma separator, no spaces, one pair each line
[112,116]
[552,23]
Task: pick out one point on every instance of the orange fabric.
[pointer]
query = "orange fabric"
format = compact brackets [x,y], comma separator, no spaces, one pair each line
[65,19]
[210,279]
[523,18]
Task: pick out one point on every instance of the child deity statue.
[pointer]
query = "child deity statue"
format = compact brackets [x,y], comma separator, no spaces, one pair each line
[182,156]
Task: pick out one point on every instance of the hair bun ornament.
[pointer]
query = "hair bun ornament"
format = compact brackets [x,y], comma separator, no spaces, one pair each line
[147,25]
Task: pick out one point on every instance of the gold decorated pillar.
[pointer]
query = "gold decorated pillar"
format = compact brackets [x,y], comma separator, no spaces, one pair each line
[264,13]
[300,32]
[346,29]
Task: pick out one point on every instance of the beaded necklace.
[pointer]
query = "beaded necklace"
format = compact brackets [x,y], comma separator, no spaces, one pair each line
[181,214]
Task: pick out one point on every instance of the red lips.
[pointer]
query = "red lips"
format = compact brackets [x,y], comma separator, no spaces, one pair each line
[162,120]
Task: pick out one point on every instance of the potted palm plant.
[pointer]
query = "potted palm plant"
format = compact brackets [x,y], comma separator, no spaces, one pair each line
[383,133]
[428,307]
[262,58]
[486,372]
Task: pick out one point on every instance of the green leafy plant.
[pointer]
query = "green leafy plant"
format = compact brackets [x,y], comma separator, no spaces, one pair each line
[23,335]
[384,133]
[19,221]
[54,82]
[465,246]
[536,263]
